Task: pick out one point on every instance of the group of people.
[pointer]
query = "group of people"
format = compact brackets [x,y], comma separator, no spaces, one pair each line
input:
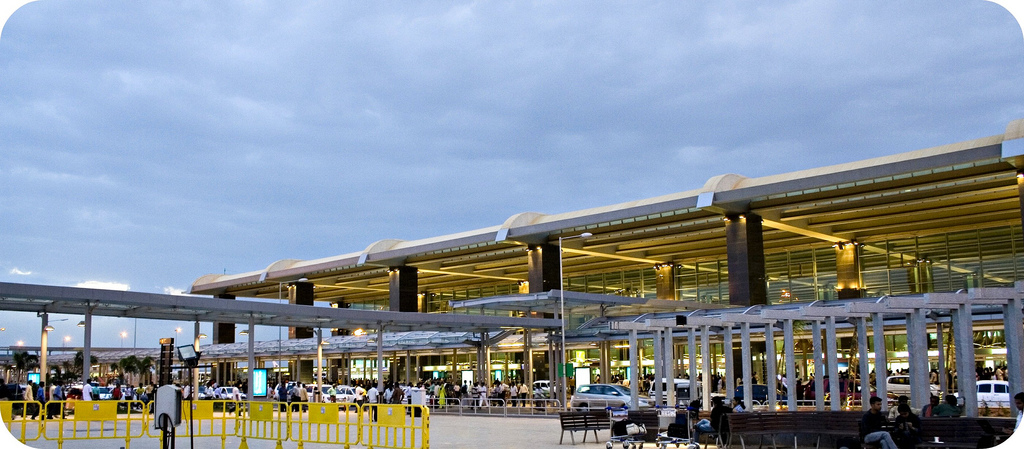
[901,429]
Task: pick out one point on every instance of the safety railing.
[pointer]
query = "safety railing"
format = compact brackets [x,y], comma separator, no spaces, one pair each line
[206,418]
[332,423]
[395,426]
[97,420]
[22,419]
[263,421]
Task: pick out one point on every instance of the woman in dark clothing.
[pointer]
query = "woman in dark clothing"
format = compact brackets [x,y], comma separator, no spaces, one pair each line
[908,428]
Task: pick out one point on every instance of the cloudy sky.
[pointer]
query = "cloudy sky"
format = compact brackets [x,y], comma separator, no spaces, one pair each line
[144,144]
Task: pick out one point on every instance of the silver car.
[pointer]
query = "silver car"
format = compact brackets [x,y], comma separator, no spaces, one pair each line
[604,395]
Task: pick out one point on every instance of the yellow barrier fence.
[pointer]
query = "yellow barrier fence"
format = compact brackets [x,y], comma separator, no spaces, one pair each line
[23,416]
[100,420]
[213,418]
[264,421]
[395,426]
[331,423]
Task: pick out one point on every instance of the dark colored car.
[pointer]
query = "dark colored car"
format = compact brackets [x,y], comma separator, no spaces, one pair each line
[760,393]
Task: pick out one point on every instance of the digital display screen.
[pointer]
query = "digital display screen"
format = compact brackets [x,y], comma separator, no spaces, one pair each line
[33,377]
[259,382]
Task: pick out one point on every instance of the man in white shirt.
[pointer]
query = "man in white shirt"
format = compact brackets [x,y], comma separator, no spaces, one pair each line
[373,396]
[87,392]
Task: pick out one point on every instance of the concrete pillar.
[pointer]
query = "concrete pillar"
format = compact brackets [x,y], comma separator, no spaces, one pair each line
[847,271]
[963,336]
[771,380]
[881,372]
[691,354]
[705,354]
[864,366]
[408,368]
[748,389]
[941,344]
[658,368]
[403,288]
[195,345]
[252,357]
[44,368]
[791,386]
[380,358]
[528,360]
[634,370]
[300,293]
[665,281]
[670,366]
[605,347]
[819,367]
[730,371]
[832,358]
[86,347]
[1013,332]
[543,268]
[745,250]
[917,349]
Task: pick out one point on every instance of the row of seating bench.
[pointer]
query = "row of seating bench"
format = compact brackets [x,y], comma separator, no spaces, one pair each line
[583,421]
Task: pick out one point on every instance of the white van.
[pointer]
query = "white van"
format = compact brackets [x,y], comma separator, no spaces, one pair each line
[682,387]
[993,393]
[900,386]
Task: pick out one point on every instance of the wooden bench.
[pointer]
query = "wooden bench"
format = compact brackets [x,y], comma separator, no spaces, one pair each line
[582,421]
[958,432]
[773,424]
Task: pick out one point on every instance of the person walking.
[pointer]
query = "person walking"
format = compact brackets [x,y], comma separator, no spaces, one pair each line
[373,398]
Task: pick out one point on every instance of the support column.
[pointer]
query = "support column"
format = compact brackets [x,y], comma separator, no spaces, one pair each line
[771,370]
[748,389]
[864,367]
[606,361]
[730,370]
[819,367]
[528,360]
[881,372]
[380,357]
[634,372]
[941,344]
[1013,331]
[745,249]
[917,349]
[86,348]
[832,358]
[252,357]
[791,386]
[319,365]
[963,335]
[665,281]
[706,375]
[691,354]
[543,268]
[300,293]
[403,288]
[658,368]
[670,366]
[195,346]
[44,369]
[847,271]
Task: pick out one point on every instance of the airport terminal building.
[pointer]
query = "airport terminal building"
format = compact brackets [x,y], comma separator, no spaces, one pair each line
[942,219]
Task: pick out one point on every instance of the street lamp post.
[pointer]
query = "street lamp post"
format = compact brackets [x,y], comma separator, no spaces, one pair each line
[561,301]
[123,334]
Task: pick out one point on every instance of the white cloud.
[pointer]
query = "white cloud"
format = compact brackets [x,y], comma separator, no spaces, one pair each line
[173,291]
[18,272]
[103,285]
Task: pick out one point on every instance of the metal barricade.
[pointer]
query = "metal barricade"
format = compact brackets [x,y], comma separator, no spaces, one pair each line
[209,418]
[23,416]
[396,426]
[331,423]
[99,420]
[263,420]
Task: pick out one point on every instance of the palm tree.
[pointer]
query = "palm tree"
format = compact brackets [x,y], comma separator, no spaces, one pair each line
[146,366]
[78,363]
[23,361]
[129,365]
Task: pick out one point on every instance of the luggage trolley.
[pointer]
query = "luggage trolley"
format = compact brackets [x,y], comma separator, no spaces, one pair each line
[621,428]
[678,433]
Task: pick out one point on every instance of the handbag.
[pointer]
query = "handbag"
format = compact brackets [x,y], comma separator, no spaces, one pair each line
[635,429]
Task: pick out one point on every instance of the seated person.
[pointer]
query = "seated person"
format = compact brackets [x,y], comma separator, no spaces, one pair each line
[908,428]
[929,410]
[894,411]
[717,424]
[948,408]
[873,426]
[737,405]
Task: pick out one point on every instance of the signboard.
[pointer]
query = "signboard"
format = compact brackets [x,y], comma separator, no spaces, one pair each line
[33,377]
[259,382]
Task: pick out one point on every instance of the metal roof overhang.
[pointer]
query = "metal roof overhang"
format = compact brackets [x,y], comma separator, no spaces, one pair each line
[73,300]
[578,302]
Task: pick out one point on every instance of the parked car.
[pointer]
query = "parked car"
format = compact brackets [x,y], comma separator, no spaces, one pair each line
[993,393]
[760,393]
[342,393]
[604,395]
[900,386]
[542,389]
[101,393]
[682,388]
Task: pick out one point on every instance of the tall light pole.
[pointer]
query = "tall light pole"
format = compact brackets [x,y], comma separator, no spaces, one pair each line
[561,300]
[123,334]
